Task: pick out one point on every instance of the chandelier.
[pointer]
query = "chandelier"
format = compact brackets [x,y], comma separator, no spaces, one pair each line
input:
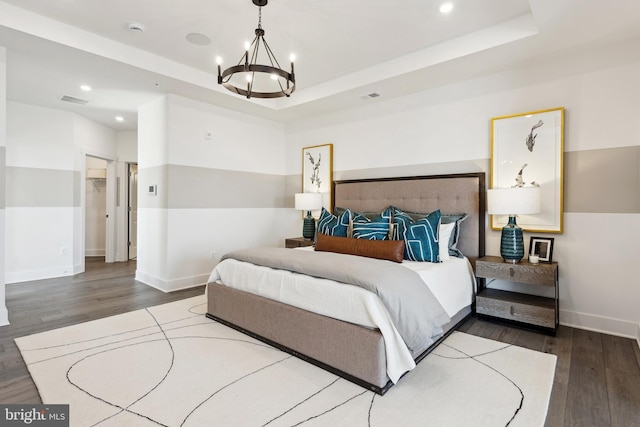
[251,79]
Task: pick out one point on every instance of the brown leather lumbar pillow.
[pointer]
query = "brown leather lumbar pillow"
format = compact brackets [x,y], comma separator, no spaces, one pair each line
[392,250]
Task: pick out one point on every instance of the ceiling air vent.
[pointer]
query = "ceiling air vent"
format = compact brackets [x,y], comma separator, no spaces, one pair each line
[68,98]
[370,95]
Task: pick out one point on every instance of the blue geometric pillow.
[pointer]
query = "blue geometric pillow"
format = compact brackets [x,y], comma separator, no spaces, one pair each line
[401,220]
[421,238]
[334,225]
[372,229]
[376,229]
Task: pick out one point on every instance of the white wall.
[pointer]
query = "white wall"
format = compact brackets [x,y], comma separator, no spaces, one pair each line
[47,240]
[448,130]
[40,240]
[4,315]
[178,231]
[127,146]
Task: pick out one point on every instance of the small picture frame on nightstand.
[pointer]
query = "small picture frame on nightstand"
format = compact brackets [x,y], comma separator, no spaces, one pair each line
[541,246]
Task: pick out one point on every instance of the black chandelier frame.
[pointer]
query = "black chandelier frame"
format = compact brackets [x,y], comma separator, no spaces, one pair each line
[247,64]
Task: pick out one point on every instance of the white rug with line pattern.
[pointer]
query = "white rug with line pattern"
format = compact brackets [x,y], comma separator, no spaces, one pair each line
[169,365]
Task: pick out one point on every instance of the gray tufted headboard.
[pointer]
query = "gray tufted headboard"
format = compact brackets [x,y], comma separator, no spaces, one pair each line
[452,194]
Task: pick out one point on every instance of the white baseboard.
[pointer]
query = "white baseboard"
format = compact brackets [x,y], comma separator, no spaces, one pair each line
[4,315]
[606,325]
[48,273]
[171,285]
[78,268]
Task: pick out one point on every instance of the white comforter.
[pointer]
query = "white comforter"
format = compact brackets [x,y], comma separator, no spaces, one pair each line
[452,282]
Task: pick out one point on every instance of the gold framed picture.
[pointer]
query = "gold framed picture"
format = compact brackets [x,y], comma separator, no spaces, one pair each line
[528,150]
[317,173]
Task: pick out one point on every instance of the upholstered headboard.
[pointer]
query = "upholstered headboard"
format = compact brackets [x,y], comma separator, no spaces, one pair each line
[452,194]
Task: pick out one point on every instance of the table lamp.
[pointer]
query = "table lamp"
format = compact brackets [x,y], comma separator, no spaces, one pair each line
[308,202]
[513,201]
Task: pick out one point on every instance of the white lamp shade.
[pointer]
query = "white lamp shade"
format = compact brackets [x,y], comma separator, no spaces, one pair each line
[513,201]
[308,201]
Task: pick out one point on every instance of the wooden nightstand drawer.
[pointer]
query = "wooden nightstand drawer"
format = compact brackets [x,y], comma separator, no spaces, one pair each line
[297,242]
[540,274]
[517,307]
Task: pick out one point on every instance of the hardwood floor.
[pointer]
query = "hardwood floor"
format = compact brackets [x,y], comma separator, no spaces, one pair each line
[597,381]
[102,290]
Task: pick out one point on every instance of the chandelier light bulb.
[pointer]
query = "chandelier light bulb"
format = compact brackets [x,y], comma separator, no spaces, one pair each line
[248,78]
[219,60]
[292,57]
[247,45]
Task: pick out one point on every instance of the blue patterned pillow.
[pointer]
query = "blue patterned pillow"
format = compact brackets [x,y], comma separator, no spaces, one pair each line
[421,238]
[446,219]
[376,229]
[401,220]
[334,225]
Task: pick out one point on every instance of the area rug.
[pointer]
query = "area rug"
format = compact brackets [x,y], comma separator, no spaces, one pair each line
[169,365]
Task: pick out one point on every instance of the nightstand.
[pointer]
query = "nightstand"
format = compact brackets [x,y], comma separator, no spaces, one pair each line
[530,311]
[297,242]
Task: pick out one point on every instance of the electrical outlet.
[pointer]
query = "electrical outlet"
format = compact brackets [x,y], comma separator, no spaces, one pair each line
[208,136]
[63,250]
[213,255]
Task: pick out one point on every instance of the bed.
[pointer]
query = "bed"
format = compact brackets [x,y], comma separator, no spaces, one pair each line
[357,351]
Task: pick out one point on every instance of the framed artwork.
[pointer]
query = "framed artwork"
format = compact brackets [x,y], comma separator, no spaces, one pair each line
[528,150]
[317,173]
[541,246]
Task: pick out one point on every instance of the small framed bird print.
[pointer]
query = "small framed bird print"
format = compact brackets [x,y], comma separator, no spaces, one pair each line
[527,150]
[317,173]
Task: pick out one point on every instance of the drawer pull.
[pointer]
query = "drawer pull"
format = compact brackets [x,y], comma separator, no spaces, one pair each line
[511,272]
[512,311]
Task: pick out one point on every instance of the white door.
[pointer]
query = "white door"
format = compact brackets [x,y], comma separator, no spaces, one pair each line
[133,211]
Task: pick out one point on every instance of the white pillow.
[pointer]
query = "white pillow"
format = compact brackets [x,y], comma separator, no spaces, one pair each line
[443,240]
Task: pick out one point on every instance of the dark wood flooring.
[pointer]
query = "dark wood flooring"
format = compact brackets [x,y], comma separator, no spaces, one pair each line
[597,381]
[102,290]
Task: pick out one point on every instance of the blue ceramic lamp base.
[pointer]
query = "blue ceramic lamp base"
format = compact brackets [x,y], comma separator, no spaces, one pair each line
[511,242]
[309,226]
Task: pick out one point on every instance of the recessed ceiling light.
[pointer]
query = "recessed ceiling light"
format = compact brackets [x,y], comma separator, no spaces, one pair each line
[119,119]
[198,39]
[446,7]
[85,88]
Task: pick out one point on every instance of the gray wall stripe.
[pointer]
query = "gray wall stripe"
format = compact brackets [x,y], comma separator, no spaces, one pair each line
[188,187]
[32,187]
[595,181]
[602,181]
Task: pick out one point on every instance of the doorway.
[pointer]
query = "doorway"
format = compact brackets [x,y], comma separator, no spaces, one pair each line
[133,211]
[95,243]
[98,182]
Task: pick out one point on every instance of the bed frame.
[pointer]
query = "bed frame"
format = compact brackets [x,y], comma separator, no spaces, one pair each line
[354,352]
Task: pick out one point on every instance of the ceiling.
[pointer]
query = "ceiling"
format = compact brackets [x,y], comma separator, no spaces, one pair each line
[344,50]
